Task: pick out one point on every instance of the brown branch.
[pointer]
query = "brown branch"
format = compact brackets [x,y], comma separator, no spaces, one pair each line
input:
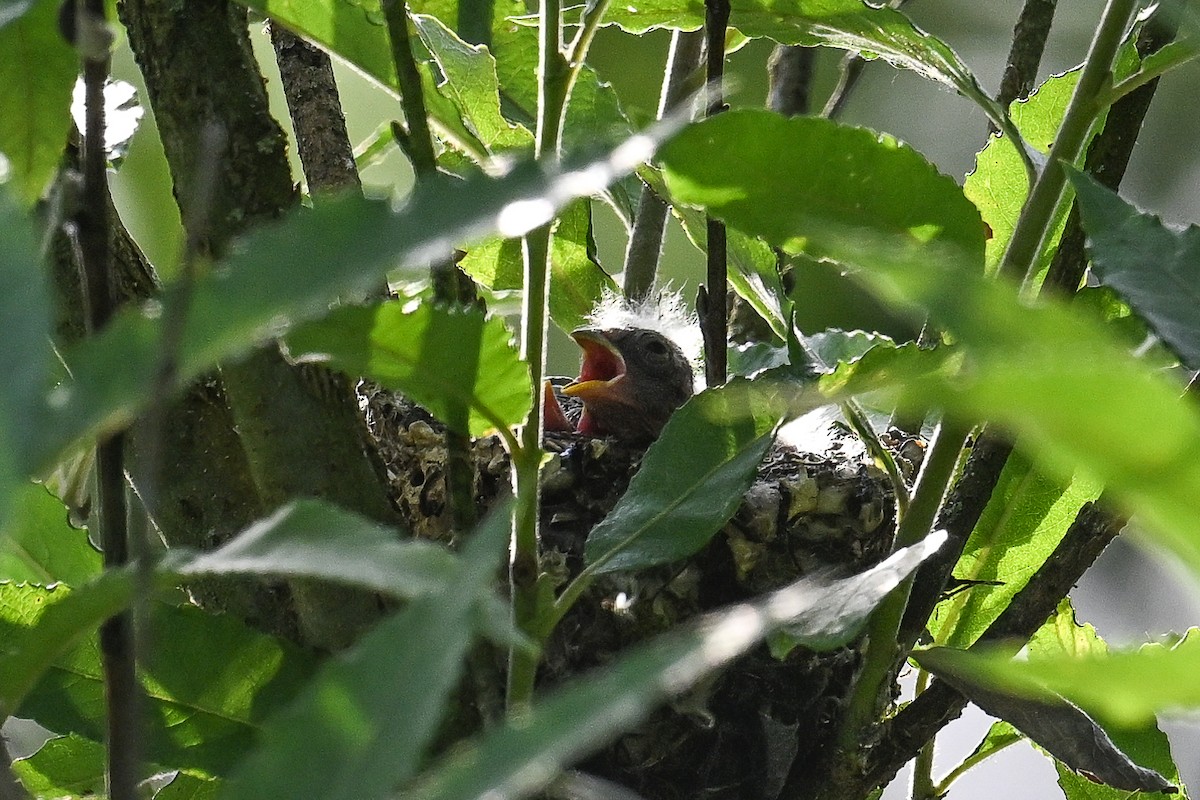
[306,73]
[790,74]
[650,220]
[713,308]
[1025,56]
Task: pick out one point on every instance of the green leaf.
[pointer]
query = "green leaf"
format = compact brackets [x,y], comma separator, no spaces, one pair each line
[1145,744]
[39,625]
[469,81]
[998,184]
[37,73]
[289,273]
[363,724]
[577,282]
[1156,269]
[1046,372]
[209,682]
[1127,687]
[1026,516]
[459,364]
[26,355]
[190,785]
[65,766]
[691,481]
[854,204]
[527,753]
[40,546]
[1069,734]
[312,539]
[872,31]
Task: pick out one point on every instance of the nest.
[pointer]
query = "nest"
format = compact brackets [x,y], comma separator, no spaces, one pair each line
[764,721]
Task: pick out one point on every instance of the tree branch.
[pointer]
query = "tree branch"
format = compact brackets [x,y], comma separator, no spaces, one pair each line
[1025,56]
[711,302]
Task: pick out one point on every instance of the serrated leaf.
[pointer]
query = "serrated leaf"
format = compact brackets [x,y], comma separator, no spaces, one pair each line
[1157,270]
[691,481]
[356,731]
[65,766]
[313,539]
[525,755]
[40,546]
[1026,516]
[1145,744]
[470,82]
[853,205]
[26,355]
[459,364]
[37,71]
[209,681]
[289,273]
[870,30]
[41,624]
[1069,734]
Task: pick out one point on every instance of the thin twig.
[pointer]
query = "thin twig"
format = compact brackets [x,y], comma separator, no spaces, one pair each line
[450,286]
[714,322]
[1025,56]
[789,79]
[851,71]
[117,641]
[650,220]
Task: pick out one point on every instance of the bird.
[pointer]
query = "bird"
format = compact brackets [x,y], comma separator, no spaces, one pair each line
[636,371]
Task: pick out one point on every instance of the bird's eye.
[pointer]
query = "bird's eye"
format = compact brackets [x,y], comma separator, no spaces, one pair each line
[656,347]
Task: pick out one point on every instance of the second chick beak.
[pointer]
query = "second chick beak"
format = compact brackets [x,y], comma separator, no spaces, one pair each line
[602,369]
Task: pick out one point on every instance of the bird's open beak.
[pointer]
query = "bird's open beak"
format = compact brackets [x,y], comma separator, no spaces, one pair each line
[603,366]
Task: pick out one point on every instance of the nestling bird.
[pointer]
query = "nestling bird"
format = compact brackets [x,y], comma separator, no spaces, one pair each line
[635,371]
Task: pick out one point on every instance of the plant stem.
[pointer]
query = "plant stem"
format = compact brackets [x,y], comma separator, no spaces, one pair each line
[1032,225]
[412,99]
[714,323]
[117,641]
[882,650]
[970,761]
[650,220]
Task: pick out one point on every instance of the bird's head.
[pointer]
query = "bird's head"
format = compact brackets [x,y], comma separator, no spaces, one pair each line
[630,382]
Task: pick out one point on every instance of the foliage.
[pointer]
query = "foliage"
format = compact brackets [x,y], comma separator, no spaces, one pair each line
[528,142]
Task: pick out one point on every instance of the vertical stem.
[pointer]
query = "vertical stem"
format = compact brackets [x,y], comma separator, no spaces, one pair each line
[714,321]
[1031,228]
[649,223]
[1028,44]
[117,644]
[412,99]
[523,564]
[882,649]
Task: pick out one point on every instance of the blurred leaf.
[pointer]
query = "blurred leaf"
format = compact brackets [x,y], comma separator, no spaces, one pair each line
[871,31]
[852,214]
[290,272]
[1026,516]
[13,10]
[37,71]
[469,81]
[65,766]
[1069,734]
[577,282]
[1045,371]
[313,539]
[1062,635]
[1156,269]
[691,481]
[40,546]
[886,366]
[363,724]
[459,364]
[527,753]
[26,356]
[209,682]
[40,625]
